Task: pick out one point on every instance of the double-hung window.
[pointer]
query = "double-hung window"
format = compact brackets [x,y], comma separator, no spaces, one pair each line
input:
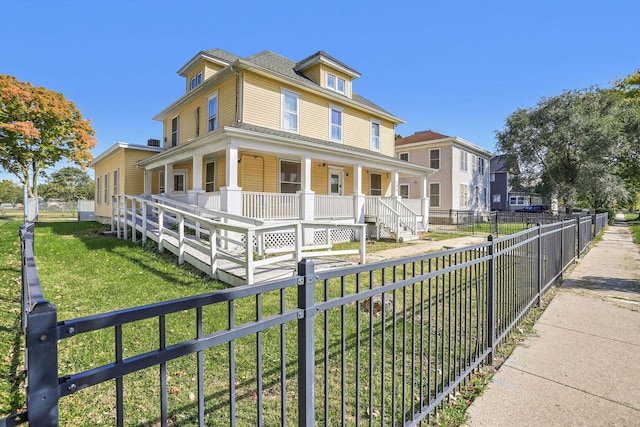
[404,191]
[106,188]
[434,158]
[480,165]
[98,193]
[210,177]
[464,196]
[464,161]
[213,112]
[434,194]
[174,131]
[375,135]
[404,156]
[335,123]
[290,111]
[290,176]
[196,80]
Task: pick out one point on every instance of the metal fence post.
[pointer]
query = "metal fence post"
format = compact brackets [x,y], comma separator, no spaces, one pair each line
[579,231]
[491,300]
[540,254]
[306,343]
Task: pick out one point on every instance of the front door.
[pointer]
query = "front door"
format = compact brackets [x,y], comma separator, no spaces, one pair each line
[336,178]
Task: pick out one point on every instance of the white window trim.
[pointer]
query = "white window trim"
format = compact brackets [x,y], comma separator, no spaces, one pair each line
[341,110]
[371,187]
[106,188]
[439,195]
[98,191]
[196,80]
[334,87]
[408,190]
[404,152]
[377,122]
[214,175]
[177,118]
[439,157]
[463,202]
[336,170]
[284,92]
[116,182]
[178,172]
[209,115]
[280,173]
[464,161]
[518,198]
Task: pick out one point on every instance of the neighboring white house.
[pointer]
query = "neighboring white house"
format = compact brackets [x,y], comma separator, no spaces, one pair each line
[461,177]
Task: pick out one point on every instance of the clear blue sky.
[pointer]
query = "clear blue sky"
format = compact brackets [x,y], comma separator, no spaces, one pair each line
[456,67]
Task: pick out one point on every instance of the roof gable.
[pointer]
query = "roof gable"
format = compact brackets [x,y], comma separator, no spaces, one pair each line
[422,136]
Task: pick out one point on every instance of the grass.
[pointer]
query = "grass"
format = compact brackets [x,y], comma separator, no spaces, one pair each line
[633,219]
[84,272]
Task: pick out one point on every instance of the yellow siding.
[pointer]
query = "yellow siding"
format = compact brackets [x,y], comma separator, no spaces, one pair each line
[261,101]
[132,177]
[347,79]
[187,123]
[314,73]
[211,68]
[257,172]
[221,178]
[319,178]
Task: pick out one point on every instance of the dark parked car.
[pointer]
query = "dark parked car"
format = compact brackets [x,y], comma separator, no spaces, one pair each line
[534,209]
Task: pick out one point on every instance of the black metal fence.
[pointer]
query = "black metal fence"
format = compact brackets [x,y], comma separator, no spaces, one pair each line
[384,343]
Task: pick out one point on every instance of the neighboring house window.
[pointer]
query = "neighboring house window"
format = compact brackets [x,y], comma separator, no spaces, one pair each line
[290,108]
[116,178]
[375,135]
[486,196]
[375,184]
[517,200]
[106,188]
[434,194]
[196,80]
[492,177]
[210,177]
[404,156]
[174,131]
[98,193]
[464,196]
[335,83]
[213,112]
[161,187]
[434,158]
[480,165]
[404,191]
[290,176]
[335,119]
[197,119]
[495,198]
[179,179]
[464,161]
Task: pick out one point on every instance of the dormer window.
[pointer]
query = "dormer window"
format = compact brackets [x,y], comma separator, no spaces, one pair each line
[196,80]
[335,83]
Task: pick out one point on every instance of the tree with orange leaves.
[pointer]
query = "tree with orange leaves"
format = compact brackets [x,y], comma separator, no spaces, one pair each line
[38,128]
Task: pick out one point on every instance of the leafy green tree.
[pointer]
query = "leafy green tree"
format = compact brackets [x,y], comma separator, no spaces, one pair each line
[68,184]
[572,144]
[10,192]
[38,128]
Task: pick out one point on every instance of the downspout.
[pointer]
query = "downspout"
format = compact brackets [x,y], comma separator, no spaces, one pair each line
[239,97]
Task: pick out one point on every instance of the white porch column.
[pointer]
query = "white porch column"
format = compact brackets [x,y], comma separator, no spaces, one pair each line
[358,196]
[148,179]
[395,184]
[168,178]
[424,203]
[196,185]
[307,198]
[231,195]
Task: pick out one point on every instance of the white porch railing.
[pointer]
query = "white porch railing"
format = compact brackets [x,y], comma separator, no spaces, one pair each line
[271,205]
[203,241]
[333,207]
[209,200]
[392,213]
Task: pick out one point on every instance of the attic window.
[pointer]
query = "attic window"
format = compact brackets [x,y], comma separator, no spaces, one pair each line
[335,83]
[196,80]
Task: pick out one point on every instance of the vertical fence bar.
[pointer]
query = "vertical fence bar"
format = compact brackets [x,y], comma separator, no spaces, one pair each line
[306,340]
[491,301]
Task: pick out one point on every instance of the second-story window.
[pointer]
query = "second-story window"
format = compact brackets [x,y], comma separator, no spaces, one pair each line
[174,131]
[464,161]
[375,135]
[335,123]
[213,112]
[404,156]
[480,165]
[434,158]
[335,83]
[290,106]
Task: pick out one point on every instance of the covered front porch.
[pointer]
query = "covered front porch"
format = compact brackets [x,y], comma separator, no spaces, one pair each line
[261,176]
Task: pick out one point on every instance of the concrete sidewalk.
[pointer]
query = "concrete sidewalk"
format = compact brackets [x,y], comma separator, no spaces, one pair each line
[583,366]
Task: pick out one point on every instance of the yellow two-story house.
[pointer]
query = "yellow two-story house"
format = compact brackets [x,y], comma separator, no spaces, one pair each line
[266,137]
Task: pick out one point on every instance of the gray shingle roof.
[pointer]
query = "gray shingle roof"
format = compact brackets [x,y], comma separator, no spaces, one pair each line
[222,55]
